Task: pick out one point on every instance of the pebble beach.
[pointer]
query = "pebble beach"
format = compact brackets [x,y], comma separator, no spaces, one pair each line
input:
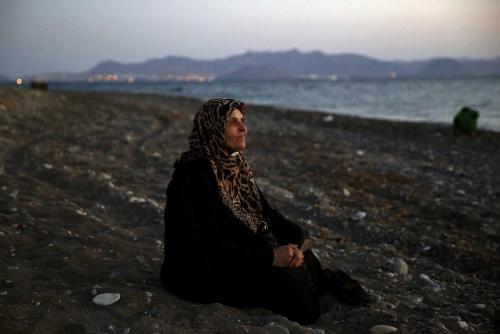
[409,209]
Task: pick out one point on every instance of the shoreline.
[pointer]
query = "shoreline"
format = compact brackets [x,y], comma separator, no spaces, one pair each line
[481,126]
[83,176]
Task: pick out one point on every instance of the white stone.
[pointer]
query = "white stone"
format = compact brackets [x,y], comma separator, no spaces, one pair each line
[430,283]
[328,118]
[346,191]
[310,330]
[360,215]
[400,267]
[383,329]
[106,298]
[273,328]
[480,306]
[463,324]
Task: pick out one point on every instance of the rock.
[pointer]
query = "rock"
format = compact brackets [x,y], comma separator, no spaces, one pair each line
[383,329]
[106,298]
[346,192]
[359,216]
[462,324]
[149,294]
[328,118]
[309,330]
[480,306]
[273,328]
[113,274]
[40,85]
[400,267]
[360,153]
[430,283]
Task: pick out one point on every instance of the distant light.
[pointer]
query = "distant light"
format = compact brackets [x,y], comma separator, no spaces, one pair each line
[333,77]
[130,80]
[19,81]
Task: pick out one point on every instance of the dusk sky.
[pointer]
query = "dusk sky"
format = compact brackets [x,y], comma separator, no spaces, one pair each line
[41,36]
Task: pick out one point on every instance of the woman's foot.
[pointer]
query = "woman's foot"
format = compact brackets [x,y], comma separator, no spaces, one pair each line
[345,288]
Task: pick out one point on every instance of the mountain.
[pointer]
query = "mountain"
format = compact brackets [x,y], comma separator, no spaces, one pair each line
[4,78]
[290,64]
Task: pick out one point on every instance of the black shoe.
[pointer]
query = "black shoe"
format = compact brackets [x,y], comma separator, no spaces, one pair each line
[345,288]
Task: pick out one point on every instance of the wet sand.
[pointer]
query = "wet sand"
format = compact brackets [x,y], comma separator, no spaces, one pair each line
[83,176]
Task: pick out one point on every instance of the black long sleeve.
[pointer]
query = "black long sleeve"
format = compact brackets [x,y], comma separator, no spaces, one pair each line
[285,230]
[210,236]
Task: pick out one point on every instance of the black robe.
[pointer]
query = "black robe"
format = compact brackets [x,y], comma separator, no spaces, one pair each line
[210,256]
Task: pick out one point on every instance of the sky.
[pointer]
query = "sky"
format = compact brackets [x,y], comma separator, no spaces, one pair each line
[46,36]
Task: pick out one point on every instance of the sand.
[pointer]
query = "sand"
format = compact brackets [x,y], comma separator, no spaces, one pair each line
[83,176]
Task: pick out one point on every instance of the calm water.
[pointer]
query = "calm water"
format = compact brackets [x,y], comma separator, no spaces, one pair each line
[434,100]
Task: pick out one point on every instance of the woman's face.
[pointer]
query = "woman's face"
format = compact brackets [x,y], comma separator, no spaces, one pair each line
[235,131]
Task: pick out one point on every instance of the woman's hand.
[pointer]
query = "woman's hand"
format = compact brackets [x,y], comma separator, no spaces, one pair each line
[288,256]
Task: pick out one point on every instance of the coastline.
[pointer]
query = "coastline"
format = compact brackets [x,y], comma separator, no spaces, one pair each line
[83,177]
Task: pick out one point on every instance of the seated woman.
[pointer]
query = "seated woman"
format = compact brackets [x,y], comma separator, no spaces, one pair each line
[223,241]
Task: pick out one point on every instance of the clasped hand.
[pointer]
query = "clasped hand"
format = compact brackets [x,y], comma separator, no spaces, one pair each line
[288,256]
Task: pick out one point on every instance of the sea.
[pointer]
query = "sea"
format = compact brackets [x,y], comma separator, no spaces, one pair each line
[418,100]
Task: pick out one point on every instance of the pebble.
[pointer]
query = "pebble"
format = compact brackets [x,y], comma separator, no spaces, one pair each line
[113,274]
[358,216]
[48,166]
[328,118]
[480,306]
[463,324]
[81,212]
[106,298]
[360,153]
[149,294]
[346,192]
[310,330]
[400,267]
[418,299]
[104,177]
[273,328]
[430,283]
[383,329]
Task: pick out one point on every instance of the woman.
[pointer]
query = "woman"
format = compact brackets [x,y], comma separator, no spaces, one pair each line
[223,241]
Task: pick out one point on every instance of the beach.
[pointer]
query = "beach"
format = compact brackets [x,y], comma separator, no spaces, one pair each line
[408,208]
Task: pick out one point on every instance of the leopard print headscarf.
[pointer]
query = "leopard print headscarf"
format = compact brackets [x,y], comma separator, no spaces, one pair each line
[235,180]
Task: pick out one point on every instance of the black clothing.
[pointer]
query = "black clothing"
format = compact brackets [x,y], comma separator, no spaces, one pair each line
[210,256]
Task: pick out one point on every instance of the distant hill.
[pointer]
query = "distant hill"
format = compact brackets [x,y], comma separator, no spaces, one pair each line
[4,78]
[287,65]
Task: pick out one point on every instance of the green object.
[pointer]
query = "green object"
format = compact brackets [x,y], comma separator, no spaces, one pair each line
[465,121]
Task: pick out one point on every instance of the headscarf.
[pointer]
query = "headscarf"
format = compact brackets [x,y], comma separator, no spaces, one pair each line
[235,180]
